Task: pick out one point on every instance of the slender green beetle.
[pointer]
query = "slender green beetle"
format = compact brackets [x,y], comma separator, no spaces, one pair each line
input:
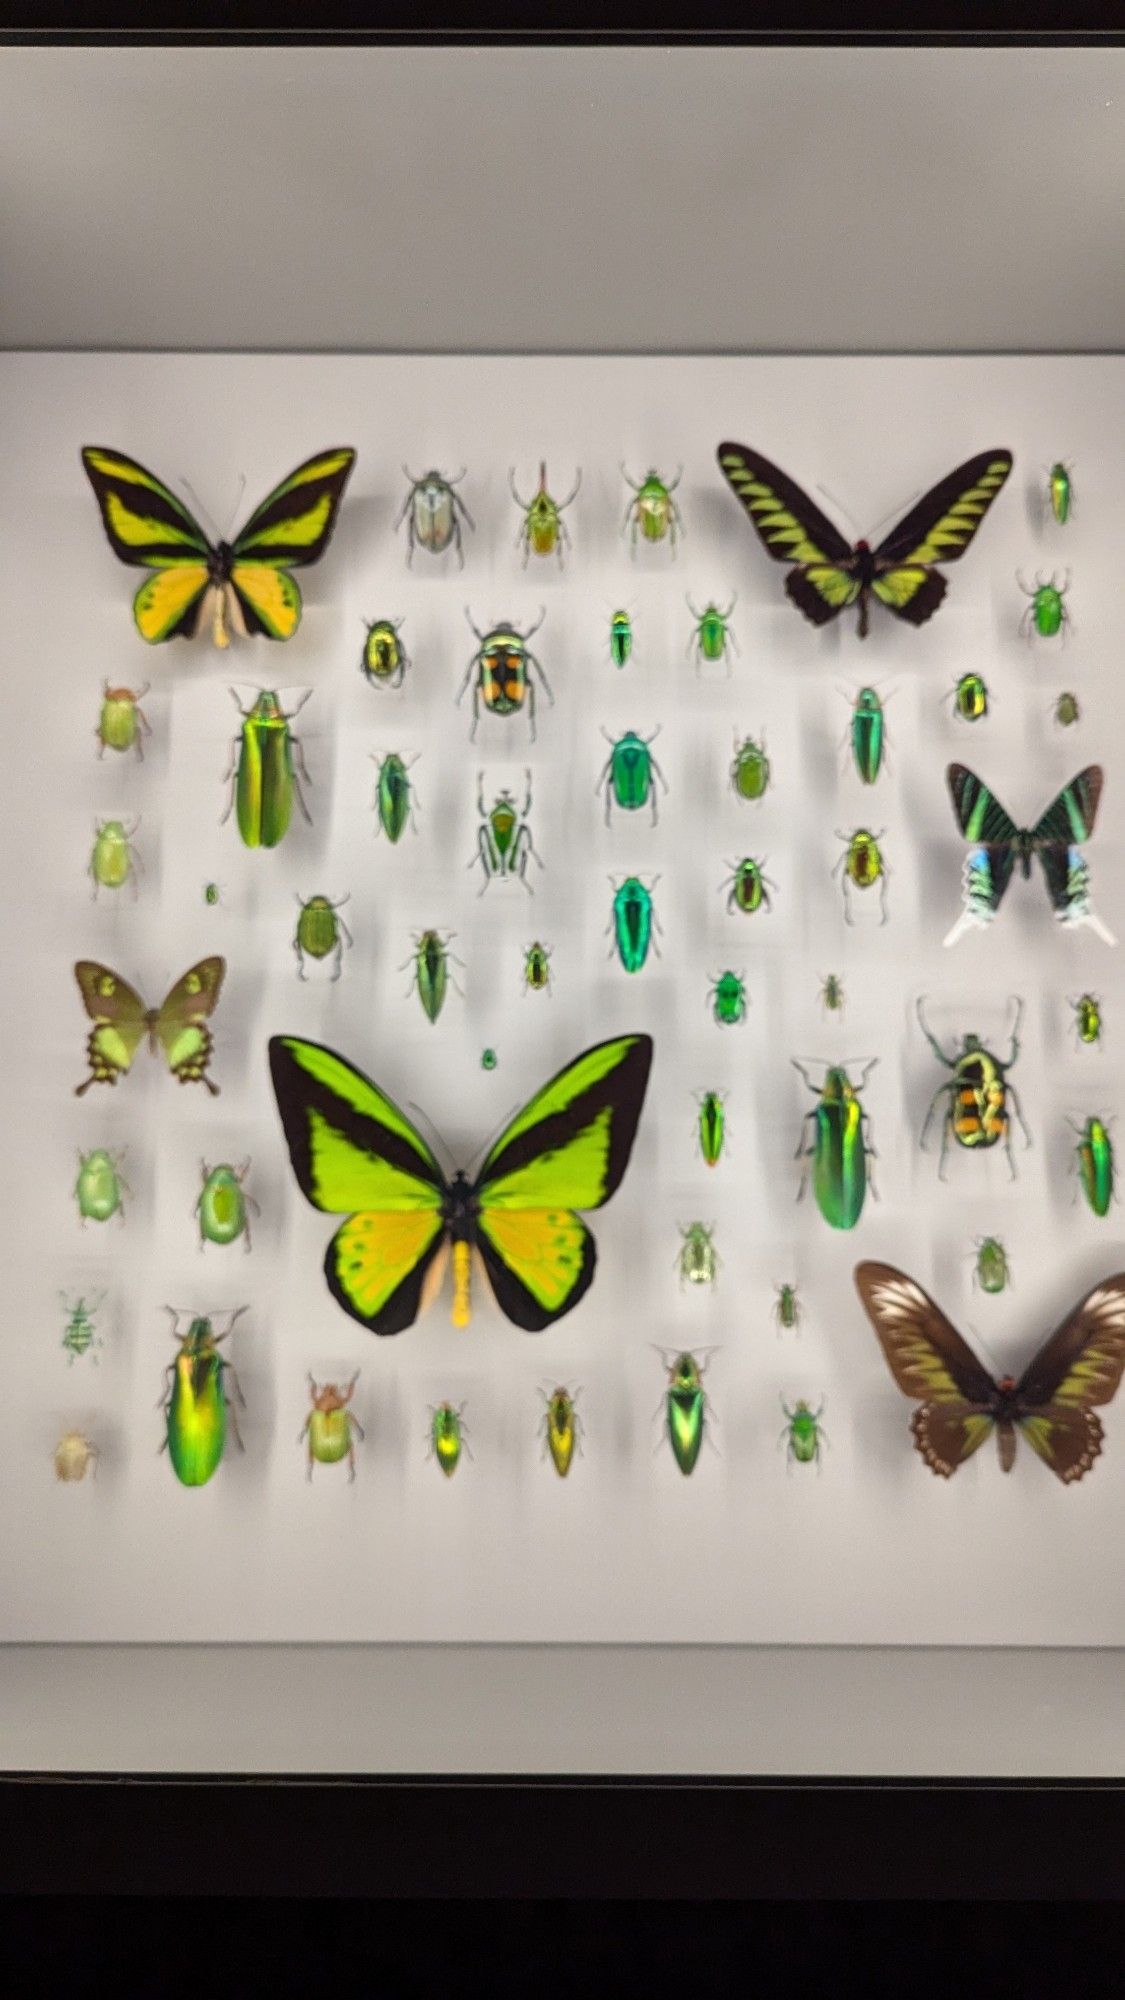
[633,922]
[749,886]
[970,698]
[503,669]
[991,1270]
[868,734]
[561,1427]
[195,1403]
[100,1185]
[1094,1156]
[712,1125]
[431,960]
[1046,611]
[620,637]
[977,1094]
[686,1407]
[330,1426]
[121,719]
[263,770]
[433,513]
[448,1436]
[629,771]
[803,1434]
[222,1205]
[713,635]
[750,768]
[652,512]
[543,531]
[504,843]
[113,858]
[832,993]
[697,1259]
[787,1308]
[537,968]
[395,798]
[1060,492]
[1087,1018]
[321,932]
[840,1146]
[385,661]
[74,1455]
[80,1334]
[1066,709]
[728,999]
[860,866]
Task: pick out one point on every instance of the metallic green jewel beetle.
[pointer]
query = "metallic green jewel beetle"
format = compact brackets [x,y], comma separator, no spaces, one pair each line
[395,797]
[330,1426]
[222,1205]
[74,1455]
[100,1185]
[863,864]
[970,698]
[263,770]
[991,1269]
[321,931]
[832,993]
[195,1403]
[113,858]
[503,668]
[1087,1018]
[537,968]
[697,1259]
[542,530]
[385,661]
[488,1058]
[121,719]
[433,513]
[430,961]
[652,511]
[841,1145]
[80,1334]
[504,843]
[633,922]
[686,1405]
[728,999]
[750,767]
[803,1434]
[1066,709]
[1094,1157]
[713,636]
[1046,612]
[561,1427]
[749,887]
[712,1125]
[620,637]
[977,1094]
[630,768]
[1060,492]
[448,1435]
[786,1308]
[868,734]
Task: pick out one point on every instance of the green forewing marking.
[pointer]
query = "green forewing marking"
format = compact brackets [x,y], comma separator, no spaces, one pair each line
[574,1176]
[562,1090]
[356,1090]
[346,1179]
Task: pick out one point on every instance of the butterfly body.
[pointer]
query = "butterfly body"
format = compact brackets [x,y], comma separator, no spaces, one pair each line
[176,1029]
[998,847]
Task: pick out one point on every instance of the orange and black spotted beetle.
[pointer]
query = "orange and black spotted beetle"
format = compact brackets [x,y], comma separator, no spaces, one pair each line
[976,1113]
[502,666]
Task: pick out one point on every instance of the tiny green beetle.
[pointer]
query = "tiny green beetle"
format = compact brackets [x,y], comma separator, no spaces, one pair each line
[832,993]
[1060,491]
[1046,611]
[629,771]
[433,513]
[74,1456]
[212,894]
[504,843]
[1066,709]
[620,637]
[543,531]
[80,1334]
[1094,1156]
[448,1435]
[537,968]
[330,1426]
[488,1058]
[697,1259]
[121,719]
[712,1125]
[1087,1018]
[862,864]
[113,858]
[384,661]
[749,886]
[561,1427]
[977,1094]
[395,797]
[713,635]
[750,767]
[728,999]
[633,922]
[686,1406]
[222,1205]
[321,932]
[970,698]
[991,1270]
[502,672]
[787,1309]
[100,1185]
[840,1147]
[803,1434]
[263,778]
[195,1403]
[868,734]
[652,512]
[430,961]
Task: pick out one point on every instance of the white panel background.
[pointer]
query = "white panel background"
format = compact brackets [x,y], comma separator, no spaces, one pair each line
[873,1551]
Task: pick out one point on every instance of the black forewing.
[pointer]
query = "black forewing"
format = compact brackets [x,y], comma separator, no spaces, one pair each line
[777,507]
[958,497]
[621,1089]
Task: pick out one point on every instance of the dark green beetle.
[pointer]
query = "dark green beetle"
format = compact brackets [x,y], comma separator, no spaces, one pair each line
[1046,612]
[321,932]
[803,1434]
[863,865]
[749,887]
[630,768]
[713,636]
[121,719]
[395,798]
[385,661]
[750,767]
[543,531]
[633,922]
[840,1147]
[868,734]
[503,668]
[977,1094]
[330,1426]
[652,510]
[1094,1158]
[430,962]
[537,968]
[196,1408]
[263,770]
[970,698]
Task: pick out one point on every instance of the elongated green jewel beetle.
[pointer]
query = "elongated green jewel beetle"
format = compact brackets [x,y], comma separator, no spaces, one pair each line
[1066,710]
[263,770]
[970,698]
[686,1408]
[861,866]
[100,1185]
[634,922]
[868,734]
[832,993]
[431,960]
[977,1095]
[786,1308]
[1060,492]
[385,661]
[330,1429]
[74,1455]
[121,719]
[652,512]
[80,1334]
[502,671]
[195,1403]
[628,776]
[840,1145]
[728,999]
[113,858]
[1087,1018]
[537,968]
[712,1125]
[749,887]
[620,637]
[1046,611]
[394,795]
[433,513]
[713,635]
[321,932]
[697,1259]
[1094,1156]
[561,1427]
[488,1058]
[504,843]
[991,1269]
[222,1205]
[543,531]
[803,1434]
[750,767]
[448,1436]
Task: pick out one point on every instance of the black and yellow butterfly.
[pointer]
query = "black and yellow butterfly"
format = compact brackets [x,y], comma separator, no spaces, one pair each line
[176,1029]
[830,574]
[356,1154]
[241,586]
[1051,1404]
[997,843]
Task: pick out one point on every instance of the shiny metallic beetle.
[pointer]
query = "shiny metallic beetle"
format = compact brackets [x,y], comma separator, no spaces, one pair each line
[433,513]
[504,841]
[976,1111]
[652,510]
[542,530]
[503,668]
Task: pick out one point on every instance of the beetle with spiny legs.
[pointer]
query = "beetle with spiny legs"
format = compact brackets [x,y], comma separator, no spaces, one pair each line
[713,635]
[1046,611]
[976,1112]
[627,778]
[803,1434]
[504,668]
[652,510]
[433,513]
[542,530]
[330,1425]
[863,865]
[504,837]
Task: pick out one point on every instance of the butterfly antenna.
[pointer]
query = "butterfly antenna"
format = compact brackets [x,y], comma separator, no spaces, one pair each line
[839,506]
[486,1145]
[201,509]
[233,515]
[893,511]
[440,1147]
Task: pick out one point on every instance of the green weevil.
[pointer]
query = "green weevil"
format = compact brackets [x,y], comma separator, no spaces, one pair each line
[713,635]
[121,719]
[728,999]
[841,1145]
[1060,491]
[686,1405]
[1046,612]
[537,968]
[263,770]
[1094,1157]
[1066,709]
[991,1270]
[195,1403]
[977,1094]
[448,1436]
[222,1205]
[630,768]
[504,843]
[803,1434]
[503,669]
[712,1125]
[787,1308]
[395,797]
[384,661]
[633,922]
[74,1455]
[697,1259]
[868,734]
[433,513]
[100,1185]
[1087,1018]
[750,767]
[652,511]
[749,886]
[330,1426]
[80,1334]
[321,932]
[543,532]
[561,1427]
[970,697]
[113,858]
[430,962]
[832,993]
[862,864]
[620,637]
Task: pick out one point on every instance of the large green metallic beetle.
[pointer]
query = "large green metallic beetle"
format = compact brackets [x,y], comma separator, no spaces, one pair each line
[196,1409]
[263,770]
[840,1145]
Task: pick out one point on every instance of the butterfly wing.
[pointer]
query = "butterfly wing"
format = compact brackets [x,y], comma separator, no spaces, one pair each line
[1077,1369]
[931,1364]
[292,527]
[148,527]
[993,846]
[566,1150]
[355,1153]
[937,529]
[120,1020]
[179,1025]
[793,529]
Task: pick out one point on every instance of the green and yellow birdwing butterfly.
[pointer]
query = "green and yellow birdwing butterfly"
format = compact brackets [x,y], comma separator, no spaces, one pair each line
[242,585]
[996,843]
[177,1029]
[1051,1404]
[356,1154]
[830,574]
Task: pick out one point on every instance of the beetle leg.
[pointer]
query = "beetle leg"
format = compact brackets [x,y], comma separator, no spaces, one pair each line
[939,1092]
[1015,1049]
[1019,1114]
[301,973]
[946,1061]
[883,895]
[231,773]
[485,856]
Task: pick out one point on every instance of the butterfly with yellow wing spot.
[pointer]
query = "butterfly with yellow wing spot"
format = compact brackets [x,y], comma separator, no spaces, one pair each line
[356,1154]
[1051,1404]
[829,573]
[241,586]
[176,1029]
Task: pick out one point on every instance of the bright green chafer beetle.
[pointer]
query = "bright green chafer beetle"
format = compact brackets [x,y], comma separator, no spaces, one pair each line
[448,1436]
[543,531]
[749,886]
[697,1259]
[121,719]
[713,635]
[321,931]
[786,1308]
[430,961]
[263,770]
[1066,709]
[652,512]
[1087,1018]
[222,1205]
[488,1059]
[561,1427]
[1094,1156]
[862,864]
[395,798]
[385,661]
[970,697]
[196,1408]
[620,637]
[868,734]
[750,767]
[504,843]
[728,999]
[686,1405]
[630,768]
[80,1334]
[100,1185]
[330,1426]
[633,922]
[712,1125]
[991,1269]
[113,858]
[1046,612]
[840,1147]
[1060,492]
[537,968]
[433,513]
[803,1434]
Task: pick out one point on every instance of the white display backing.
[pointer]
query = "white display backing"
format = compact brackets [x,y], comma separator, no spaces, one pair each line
[873,1550]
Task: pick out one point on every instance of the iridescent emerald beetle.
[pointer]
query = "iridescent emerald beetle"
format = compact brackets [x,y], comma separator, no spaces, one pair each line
[1060,492]
[868,734]
[863,865]
[803,1434]
[712,1125]
[686,1406]
[1046,612]
[113,858]
[970,698]
[504,840]
[728,999]
[750,767]
[330,1426]
[80,1334]
[786,1308]
[385,661]
[991,1269]
[633,922]
[395,797]
[448,1436]
[537,968]
[430,961]
[840,1146]
[1094,1159]
[1066,709]
[74,1455]
[832,993]
[629,772]
[620,637]
[652,510]
[196,1409]
[1087,1018]
[222,1205]
[503,669]
[433,513]
[263,770]
[542,530]
[121,719]
[749,887]
[321,932]
[697,1259]
[100,1185]
[713,636]
[561,1427]
[976,1111]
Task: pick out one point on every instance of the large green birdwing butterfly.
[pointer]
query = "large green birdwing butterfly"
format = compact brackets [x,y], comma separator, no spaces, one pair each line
[830,574]
[240,586]
[176,1029]
[356,1154]
[1051,1404]
[997,843]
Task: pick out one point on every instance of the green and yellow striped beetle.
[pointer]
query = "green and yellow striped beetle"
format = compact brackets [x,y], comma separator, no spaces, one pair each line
[561,1427]
[195,1404]
[536,968]
[970,698]
[712,1125]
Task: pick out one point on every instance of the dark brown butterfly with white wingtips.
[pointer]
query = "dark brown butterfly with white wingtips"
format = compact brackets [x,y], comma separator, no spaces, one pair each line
[1051,1404]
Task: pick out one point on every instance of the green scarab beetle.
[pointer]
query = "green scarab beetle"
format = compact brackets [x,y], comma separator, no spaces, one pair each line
[713,635]
[712,1125]
[395,797]
[561,1427]
[430,962]
[195,1404]
[728,999]
[633,922]
[1046,612]
[749,886]
[991,1269]
[113,858]
[321,932]
[750,768]
[100,1185]
[627,778]
[121,719]
[861,866]
[970,698]
[652,512]
[697,1259]
[448,1436]
[840,1146]
[329,1431]
[221,1210]
[1087,1018]
[265,756]
[1094,1159]
[686,1405]
[787,1309]
[80,1334]
[803,1434]
[385,661]
[543,531]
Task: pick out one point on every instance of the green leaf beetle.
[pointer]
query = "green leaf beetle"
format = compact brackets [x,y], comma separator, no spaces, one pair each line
[728,999]
[1046,612]
[629,772]
[536,968]
[385,661]
[1095,1163]
[861,865]
[430,961]
[433,512]
[448,1436]
[992,1271]
[121,719]
[686,1405]
[113,858]
[750,768]
[80,1334]
[711,1127]
[503,669]
[195,1403]
[970,698]
[867,734]
[222,1205]
[1066,709]
[212,894]
[633,922]
[330,1429]
[787,1308]
[504,843]
[1060,491]
[803,1434]
[620,637]
[263,770]
[697,1259]
[395,796]
[832,993]
[713,637]
[100,1186]
[543,531]
[561,1427]
[321,932]
[1087,1018]
[841,1145]
[652,512]
[749,886]
[977,1094]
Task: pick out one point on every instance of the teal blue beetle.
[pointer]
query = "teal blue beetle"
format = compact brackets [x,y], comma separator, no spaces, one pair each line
[630,768]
